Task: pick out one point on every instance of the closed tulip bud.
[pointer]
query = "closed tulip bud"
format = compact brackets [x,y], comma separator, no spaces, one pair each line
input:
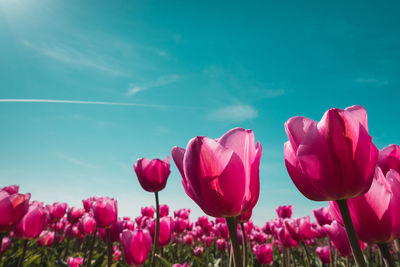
[12,208]
[221,243]
[284,211]
[333,159]
[180,224]
[152,174]
[57,211]
[87,204]
[263,253]
[32,224]
[87,224]
[323,216]
[105,212]
[221,176]
[324,254]
[299,228]
[285,238]
[188,239]
[74,214]
[5,244]
[338,237]
[136,246]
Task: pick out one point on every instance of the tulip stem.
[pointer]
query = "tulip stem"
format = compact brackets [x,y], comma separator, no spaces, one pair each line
[232,227]
[67,246]
[351,233]
[89,261]
[307,254]
[157,230]
[244,245]
[21,258]
[387,258]
[109,248]
[330,254]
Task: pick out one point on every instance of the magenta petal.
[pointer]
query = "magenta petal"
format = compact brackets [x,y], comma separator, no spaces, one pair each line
[178,154]
[389,158]
[360,114]
[297,128]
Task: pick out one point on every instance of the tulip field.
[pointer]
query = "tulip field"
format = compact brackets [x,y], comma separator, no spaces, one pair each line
[333,160]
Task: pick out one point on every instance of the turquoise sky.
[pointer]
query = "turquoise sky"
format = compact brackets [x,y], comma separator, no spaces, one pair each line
[195,68]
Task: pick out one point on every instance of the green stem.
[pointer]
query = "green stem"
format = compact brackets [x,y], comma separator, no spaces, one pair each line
[387,258]
[21,258]
[330,253]
[68,241]
[244,247]
[157,230]
[232,227]
[89,262]
[307,255]
[109,248]
[351,233]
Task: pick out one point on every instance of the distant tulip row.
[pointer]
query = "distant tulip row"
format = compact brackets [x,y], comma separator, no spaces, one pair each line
[331,160]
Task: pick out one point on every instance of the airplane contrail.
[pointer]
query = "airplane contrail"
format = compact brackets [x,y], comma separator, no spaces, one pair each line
[78,102]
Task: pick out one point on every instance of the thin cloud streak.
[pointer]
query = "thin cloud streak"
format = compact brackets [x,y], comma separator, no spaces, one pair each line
[79,102]
[162,81]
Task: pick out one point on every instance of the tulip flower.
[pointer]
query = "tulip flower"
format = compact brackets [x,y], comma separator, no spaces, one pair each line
[181,265]
[324,254]
[148,211]
[166,227]
[74,214]
[105,212]
[284,211]
[323,216]
[222,176]
[57,210]
[299,228]
[164,210]
[114,231]
[337,235]
[198,251]
[46,238]
[389,158]
[182,213]
[12,208]
[285,238]
[116,253]
[264,253]
[152,174]
[74,262]
[221,243]
[180,224]
[333,159]
[136,246]
[32,224]
[87,224]
[11,189]
[188,239]
[5,244]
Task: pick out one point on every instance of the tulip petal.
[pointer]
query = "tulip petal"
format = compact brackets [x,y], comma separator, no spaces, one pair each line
[297,128]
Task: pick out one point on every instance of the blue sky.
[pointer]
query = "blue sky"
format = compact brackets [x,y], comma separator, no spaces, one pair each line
[194,68]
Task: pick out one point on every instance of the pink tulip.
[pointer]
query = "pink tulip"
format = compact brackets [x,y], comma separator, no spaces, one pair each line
[116,253]
[5,244]
[181,265]
[11,189]
[32,224]
[221,176]
[379,207]
[182,213]
[389,158]
[299,228]
[166,227]
[87,224]
[221,243]
[324,254]
[284,211]
[164,210]
[115,231]
[333,159]
[74,214]
[46,238]
[136,246]
[338,237]
[264,253]
[57,211]
[87,204]
[128,224]
[285,238]
[323,216]
[75,262]
[105,212]
[148,211]
[180,224]
[198,251]
[244,217]
[12,208]
[152,174]
[188,239]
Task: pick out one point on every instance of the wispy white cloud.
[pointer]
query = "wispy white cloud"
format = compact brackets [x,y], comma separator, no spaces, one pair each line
[272,93]
[75,161]
[234,113]
[372,81]
[161,81]
[78,102]
[76,57]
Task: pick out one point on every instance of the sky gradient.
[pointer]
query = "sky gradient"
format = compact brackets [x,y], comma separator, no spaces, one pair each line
[132,79]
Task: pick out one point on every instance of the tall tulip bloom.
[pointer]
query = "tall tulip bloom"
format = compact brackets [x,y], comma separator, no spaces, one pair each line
[222,176]
[284,211]
[264,253]
[12,208]
[152,174]
[32,224]
[333,159]
[136,246]
[323,216]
